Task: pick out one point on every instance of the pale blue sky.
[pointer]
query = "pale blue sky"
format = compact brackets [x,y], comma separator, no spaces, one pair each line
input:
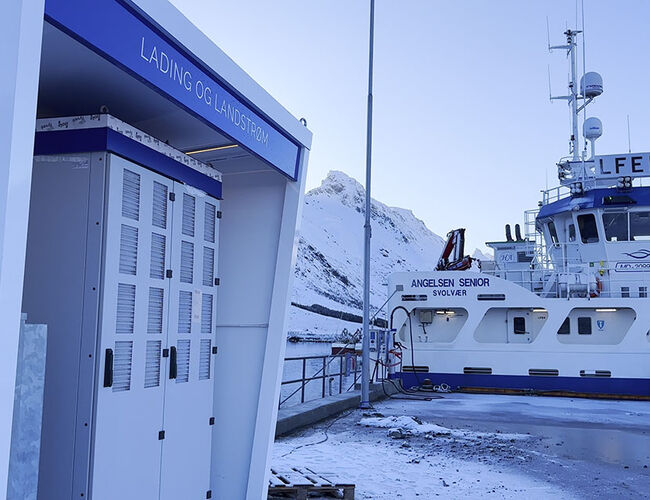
[464,132]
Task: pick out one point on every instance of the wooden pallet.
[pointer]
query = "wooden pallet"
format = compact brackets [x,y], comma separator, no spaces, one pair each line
[304,482]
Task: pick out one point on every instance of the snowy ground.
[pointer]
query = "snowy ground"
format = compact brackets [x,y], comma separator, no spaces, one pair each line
[472,446]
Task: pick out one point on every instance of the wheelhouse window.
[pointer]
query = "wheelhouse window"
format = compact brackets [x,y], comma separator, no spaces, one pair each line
[572,232]
[565,327]
[588,228]
[584,325]
[519,324]
[553,232]
[615,226]
[639,226]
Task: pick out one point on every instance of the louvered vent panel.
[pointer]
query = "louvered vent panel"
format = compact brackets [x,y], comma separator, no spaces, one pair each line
[128,250]
[206,314]
[131,195]
[187,262]
[183,361]
[157,264]
[155,312]
[159,217]
[122,360]
[208,266]
[204,359]
[184,312]
[189,214]
[210,218]
[152,364]
[125,308]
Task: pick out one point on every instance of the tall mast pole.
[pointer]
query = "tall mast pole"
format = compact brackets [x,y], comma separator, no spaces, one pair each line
[571,39]
[365,346]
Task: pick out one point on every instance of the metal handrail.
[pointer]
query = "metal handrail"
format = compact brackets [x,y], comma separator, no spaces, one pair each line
[324,374]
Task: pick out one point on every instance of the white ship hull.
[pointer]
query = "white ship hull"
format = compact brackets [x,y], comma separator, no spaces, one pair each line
[466,330]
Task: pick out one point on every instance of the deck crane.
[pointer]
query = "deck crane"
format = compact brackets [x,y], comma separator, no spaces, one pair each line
[452,257]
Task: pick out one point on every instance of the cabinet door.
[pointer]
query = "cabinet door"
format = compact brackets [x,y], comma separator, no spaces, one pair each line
[192,316]
[129,401]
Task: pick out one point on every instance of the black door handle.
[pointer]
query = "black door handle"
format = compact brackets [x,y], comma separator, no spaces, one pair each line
[173,368]
[108,368]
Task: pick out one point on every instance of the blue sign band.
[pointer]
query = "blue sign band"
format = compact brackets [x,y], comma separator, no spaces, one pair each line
[120,34]
[104,139]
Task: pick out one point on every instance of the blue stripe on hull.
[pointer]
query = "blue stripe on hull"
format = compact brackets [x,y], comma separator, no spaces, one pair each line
[585,385]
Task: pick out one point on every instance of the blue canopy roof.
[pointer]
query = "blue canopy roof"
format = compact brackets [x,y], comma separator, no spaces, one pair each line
[597,198]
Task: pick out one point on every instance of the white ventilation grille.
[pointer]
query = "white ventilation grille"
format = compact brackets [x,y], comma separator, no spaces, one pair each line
[125,308]
[152,364]
[128,250]
[157,264]
[131,195]
[122,366]
[155,312]
[210,219]
[184,312]
[187,262]
[208,266]
[206,314]
[183,361]
[159,216]
[204,359]
[189,214]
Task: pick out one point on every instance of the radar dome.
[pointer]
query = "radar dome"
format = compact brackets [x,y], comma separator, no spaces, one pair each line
[591,85]
[592,128]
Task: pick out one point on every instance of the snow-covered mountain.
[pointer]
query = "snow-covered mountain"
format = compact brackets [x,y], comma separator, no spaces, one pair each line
[329,267]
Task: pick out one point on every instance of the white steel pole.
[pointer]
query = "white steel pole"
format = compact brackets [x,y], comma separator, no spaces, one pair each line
[365,346]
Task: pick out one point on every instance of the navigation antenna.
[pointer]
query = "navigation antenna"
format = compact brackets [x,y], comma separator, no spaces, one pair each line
[591,86]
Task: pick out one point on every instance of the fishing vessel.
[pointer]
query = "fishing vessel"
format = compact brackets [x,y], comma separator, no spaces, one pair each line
[563,308]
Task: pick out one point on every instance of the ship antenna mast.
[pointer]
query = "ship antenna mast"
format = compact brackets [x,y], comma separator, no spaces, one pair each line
[573,96]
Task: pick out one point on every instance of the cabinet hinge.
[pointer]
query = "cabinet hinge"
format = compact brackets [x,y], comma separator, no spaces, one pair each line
[169,273]
[211,420]
[172,196]
[219,214]
[217,281]
[215,349]
[161,435]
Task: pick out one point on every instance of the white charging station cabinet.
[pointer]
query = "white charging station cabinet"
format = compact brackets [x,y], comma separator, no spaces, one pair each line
[121,264]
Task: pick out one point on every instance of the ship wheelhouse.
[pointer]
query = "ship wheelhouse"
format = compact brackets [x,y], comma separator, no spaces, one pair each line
[595,243]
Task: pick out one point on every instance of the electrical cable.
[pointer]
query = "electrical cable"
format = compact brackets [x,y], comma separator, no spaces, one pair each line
[325,430]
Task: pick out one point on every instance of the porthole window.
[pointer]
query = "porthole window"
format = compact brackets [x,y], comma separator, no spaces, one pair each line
[584,325]
[565,328]
[519,324]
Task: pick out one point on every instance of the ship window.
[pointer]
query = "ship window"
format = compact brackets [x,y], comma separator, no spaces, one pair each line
[519,324]
[584,325]
[643,291]
[588,228]
[565,328]
[625,291]
[553,232]
[572,232]
[615,226]
[639,226]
